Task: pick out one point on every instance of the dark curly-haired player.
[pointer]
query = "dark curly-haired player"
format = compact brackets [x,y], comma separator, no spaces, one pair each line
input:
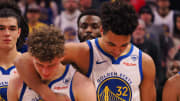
[89,23]
[119,70]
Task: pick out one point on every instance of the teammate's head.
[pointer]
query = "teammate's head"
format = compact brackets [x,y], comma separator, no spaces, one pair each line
[118,17]
[119,20]
[12,24]
[89,23]
[46,45]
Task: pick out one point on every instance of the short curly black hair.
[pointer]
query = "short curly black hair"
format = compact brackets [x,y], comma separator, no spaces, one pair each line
[88,12]
[118,17]
[46,43]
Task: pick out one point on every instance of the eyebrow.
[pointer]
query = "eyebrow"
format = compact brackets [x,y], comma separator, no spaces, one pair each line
[112,44]
[51,64]
[8,26]
[123,45]
[13,26]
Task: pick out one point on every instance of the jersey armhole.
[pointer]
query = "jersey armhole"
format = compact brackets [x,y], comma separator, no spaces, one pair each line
[71,90]
[22,91]
[90,58]
[140,65]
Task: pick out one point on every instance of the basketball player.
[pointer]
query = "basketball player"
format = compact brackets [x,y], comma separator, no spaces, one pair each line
[89,23]
[46,47]
[118,69]
[171,91]
[11,33]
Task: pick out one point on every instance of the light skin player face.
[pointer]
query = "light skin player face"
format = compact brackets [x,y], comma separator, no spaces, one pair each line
[114,44]
[47,70]
[9,32]
[89,27]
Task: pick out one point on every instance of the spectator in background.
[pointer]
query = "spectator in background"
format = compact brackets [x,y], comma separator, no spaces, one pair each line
[166,45]
[138,39]
[153,32]
[84,5]
[67,20]
[22,6]
[89,23]
[176,32]
[46,13]
[33,15]
[164,15]
[54,8]
[176,40]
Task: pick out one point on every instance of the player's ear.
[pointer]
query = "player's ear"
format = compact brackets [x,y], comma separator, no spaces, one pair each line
[19,32]
[101,30]
[62,59]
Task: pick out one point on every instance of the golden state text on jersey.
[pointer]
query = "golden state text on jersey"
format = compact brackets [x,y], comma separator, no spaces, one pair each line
[115,79]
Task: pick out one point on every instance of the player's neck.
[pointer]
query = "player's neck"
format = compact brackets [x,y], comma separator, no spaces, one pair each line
[7,57]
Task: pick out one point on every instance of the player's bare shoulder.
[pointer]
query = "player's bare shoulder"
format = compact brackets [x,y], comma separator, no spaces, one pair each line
[23,58]
[80,79]
[71,48]
[174,83]
[83,86]
[77,53]
[171,90]
[148,64]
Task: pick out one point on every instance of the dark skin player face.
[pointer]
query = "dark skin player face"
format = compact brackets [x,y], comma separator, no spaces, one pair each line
[89,27]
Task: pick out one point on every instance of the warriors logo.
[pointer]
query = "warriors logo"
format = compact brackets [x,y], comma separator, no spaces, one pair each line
[114,89]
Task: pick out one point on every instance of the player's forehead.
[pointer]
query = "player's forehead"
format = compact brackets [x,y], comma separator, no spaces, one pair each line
[110,37]
[52,61]
[90,19]
[8,21]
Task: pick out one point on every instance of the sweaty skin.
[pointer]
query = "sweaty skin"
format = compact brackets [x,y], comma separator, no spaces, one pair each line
[171,91]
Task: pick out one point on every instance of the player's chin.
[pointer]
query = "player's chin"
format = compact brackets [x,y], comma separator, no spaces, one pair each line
[45,77]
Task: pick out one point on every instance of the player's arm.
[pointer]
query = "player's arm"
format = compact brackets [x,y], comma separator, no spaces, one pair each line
[83,88]
[170,90]
[77,54]
[14,87]
[147,87]
[25,67]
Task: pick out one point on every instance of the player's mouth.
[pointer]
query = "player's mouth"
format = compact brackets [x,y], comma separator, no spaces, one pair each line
[7,40]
